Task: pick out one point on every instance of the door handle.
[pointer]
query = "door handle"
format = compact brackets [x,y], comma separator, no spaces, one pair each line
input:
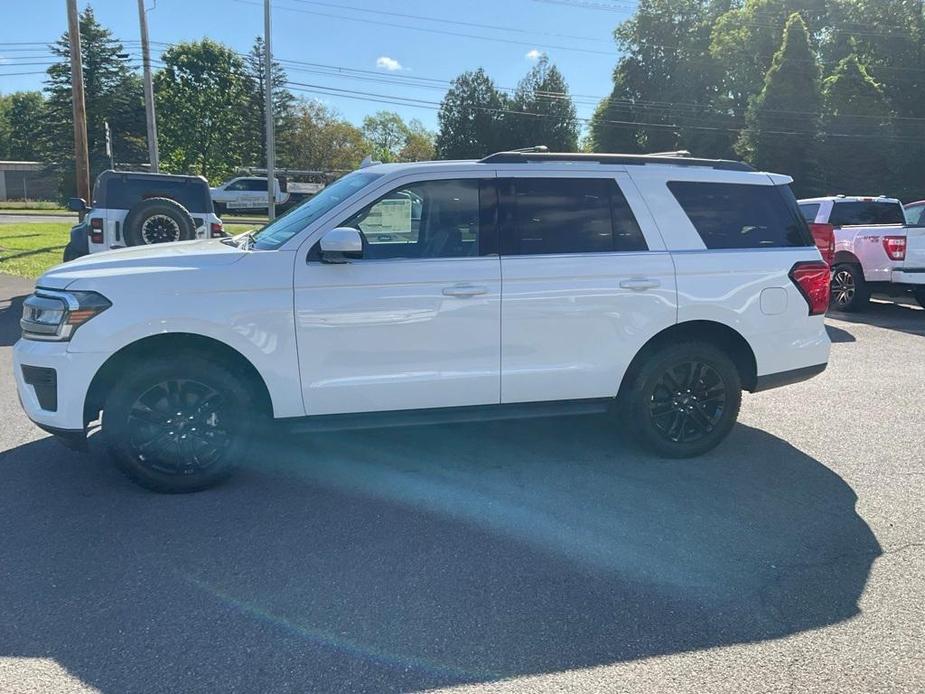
[640,284]
[465,290]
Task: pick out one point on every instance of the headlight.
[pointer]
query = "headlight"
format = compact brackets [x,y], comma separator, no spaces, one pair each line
[54,315]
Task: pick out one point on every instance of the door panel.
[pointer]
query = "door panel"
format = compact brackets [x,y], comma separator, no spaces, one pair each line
[395,335]
[573,322]
[417,322]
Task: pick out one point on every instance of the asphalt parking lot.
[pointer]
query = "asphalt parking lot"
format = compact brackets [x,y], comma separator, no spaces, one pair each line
[541,555]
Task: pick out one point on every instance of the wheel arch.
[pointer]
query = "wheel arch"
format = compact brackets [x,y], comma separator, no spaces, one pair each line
[723,337]
[845,258]
[179,344]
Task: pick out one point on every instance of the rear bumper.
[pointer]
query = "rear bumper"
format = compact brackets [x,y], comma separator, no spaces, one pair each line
[786,378]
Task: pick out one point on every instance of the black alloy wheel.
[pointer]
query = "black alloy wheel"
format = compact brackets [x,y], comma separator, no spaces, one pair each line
[178,427]
[688,402]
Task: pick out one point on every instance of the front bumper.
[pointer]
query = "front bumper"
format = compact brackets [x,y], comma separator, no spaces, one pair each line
[74,372]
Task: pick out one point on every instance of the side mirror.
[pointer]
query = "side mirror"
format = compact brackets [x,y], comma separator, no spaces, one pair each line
[340,245]
[77,205]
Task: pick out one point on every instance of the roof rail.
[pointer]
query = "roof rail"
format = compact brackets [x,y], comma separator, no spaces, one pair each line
[674,159]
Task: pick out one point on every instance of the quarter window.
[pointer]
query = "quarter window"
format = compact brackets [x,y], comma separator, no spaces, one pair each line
[737,215]
[810,211]
[429,219]
[570,215]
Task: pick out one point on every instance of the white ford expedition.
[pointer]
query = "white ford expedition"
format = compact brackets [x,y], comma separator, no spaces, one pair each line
[875,249]
[654,288]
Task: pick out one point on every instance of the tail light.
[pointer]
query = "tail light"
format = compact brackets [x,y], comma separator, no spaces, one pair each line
[96,230]
[895,247]
[217,230]
[813,279]
[824,236]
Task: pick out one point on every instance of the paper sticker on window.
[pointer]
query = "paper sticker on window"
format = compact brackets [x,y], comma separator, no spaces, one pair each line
[389,216]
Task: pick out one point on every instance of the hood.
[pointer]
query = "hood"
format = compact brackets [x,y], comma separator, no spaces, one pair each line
[182,256]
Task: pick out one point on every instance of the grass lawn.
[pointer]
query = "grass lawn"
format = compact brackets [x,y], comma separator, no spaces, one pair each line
[32,206]
[29,249]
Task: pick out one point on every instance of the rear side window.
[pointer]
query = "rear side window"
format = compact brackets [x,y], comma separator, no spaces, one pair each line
[735,215]
[809,211]
[852,212]
[569,215]
[125,194]
[914,215]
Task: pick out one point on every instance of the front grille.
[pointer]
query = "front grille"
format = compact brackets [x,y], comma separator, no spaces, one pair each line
[45,383]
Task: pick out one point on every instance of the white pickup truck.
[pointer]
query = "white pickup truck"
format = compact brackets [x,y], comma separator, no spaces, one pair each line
[250,193]
[876,249]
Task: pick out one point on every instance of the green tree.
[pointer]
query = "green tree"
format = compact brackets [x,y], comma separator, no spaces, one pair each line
[21,118]
[670,78]
[322,141]
[283,106]
[470,118]
[419,143]
[112,92]
[386,132]
[541,111]
[857,129]
[203,94]
[612,128]
[782,123]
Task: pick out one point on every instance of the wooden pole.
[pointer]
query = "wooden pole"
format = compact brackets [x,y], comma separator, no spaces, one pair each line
[154,157]
[81,155]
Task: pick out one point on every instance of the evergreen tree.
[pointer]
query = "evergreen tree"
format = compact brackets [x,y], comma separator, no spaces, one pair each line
[112,92]
[470,118]
[203,96]
[283,107]
[857,125]
[782,123]
[541,111]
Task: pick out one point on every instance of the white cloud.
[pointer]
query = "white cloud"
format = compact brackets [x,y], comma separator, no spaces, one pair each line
[386,63]
[534,55]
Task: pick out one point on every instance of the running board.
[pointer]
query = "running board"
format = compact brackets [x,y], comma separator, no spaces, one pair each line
[445,415]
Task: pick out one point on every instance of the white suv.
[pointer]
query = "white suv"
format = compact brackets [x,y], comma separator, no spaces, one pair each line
[657,288]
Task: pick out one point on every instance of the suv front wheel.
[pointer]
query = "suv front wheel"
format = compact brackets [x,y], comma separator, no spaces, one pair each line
[179,425]
[684,400]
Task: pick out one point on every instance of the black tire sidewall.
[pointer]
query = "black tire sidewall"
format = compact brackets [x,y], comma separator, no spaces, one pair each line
[153,206]
[636,405]
[919,295]
[243,410]
[861,293]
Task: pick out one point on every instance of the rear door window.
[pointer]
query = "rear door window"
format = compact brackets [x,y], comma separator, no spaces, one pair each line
[125,194]
[734,215]
[914,215]
[809,211]
[851,212]
[568,215]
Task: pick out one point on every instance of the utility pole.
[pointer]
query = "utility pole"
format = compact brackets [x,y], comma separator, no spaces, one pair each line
[154,156]
[268,108]
[81,155]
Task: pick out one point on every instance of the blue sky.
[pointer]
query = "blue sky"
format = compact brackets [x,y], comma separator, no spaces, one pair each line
[408,53]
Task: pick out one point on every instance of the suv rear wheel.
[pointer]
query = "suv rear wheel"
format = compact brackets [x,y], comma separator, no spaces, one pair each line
[179,424]
[684,400]
[849,290]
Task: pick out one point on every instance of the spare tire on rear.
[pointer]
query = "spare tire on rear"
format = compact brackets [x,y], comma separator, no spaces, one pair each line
[158,220]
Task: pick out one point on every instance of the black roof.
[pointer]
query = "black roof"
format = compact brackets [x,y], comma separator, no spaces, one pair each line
[190,191]
[623,159]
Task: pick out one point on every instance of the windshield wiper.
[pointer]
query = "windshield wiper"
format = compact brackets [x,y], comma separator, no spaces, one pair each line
[247,240]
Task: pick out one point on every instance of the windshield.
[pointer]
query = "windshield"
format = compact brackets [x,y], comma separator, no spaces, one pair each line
[277,232]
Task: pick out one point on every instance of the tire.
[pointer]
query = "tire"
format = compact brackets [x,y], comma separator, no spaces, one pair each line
[219,209]
[69,254]
[179,424]
[158,220]
[919,295]
[684,400]
[850,292]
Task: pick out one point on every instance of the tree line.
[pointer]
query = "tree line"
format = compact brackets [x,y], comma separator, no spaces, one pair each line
[831,92]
